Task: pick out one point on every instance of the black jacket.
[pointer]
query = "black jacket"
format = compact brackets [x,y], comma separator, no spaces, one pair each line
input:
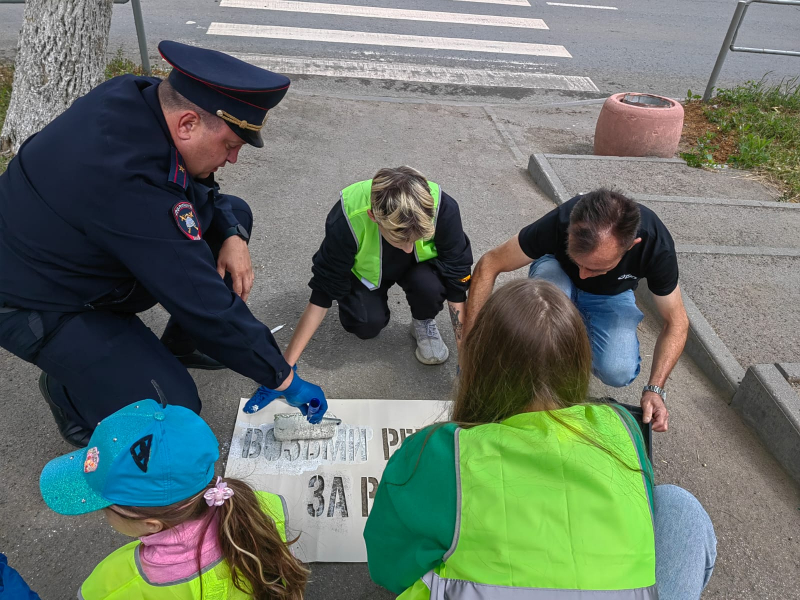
[332,277]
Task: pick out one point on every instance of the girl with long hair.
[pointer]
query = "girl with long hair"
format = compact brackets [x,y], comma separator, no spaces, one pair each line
[150,469]
[533,491]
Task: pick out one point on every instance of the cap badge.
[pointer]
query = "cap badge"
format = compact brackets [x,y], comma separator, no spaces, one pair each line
[92,460]
[140,451]
[184,214]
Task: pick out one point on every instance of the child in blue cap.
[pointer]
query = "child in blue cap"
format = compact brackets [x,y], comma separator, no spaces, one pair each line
[150,468]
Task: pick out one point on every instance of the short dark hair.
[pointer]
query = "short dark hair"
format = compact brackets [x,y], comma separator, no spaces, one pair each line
[598,213]
[173,101]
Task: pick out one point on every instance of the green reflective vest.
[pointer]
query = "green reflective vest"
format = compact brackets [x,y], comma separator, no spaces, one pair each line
[120,575]
[356,201]
[571,524]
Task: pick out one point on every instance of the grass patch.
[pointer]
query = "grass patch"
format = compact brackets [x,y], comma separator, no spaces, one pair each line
[6,77]
[119,65]
[752,126]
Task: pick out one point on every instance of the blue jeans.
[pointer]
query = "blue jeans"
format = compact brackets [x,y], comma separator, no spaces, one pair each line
[611,322]
[686,547]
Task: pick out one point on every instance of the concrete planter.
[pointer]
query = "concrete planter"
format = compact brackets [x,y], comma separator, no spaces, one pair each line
[638,125]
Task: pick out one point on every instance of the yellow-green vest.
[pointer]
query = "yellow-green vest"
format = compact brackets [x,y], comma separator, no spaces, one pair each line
[573,523]
[356,201]
[120,575]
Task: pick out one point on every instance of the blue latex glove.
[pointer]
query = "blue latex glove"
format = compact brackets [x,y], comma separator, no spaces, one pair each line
[262,397]
[299,394]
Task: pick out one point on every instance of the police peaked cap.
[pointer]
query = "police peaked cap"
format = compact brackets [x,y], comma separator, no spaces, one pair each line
[239,93]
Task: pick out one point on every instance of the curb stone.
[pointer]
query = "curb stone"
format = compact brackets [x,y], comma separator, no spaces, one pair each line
[771,407]
[705,347]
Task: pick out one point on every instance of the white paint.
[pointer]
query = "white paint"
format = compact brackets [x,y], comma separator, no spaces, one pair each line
[364,69]
[385,13]
[385,39]
[582,6]
[508,2]
[191,22]
[293,469]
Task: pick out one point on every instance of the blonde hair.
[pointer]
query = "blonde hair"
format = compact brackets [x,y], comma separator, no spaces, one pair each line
[402,205]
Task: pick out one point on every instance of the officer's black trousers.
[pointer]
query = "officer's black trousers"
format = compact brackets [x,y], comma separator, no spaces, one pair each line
[101,361]
[366,312]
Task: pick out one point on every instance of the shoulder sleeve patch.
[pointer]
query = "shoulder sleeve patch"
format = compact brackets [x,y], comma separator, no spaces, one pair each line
[186,219]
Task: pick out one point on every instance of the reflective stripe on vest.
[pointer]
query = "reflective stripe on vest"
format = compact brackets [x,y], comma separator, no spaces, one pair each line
[569,523]
[120,575]
[356,200]
[453,589]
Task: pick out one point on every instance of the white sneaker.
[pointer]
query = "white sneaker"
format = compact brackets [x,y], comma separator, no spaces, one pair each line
[431,350]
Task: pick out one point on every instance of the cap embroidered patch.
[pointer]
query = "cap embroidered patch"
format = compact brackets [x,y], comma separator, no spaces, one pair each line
[92,460]
[140,451]
[186,218]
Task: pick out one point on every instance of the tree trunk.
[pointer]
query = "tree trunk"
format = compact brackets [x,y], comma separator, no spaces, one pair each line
[60,57]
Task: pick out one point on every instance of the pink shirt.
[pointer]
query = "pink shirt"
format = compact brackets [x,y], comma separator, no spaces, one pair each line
[171,555]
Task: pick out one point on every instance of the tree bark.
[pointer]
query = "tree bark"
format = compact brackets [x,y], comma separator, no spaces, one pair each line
[60,57]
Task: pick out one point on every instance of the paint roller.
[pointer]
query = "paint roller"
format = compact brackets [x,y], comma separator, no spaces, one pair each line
[295,426]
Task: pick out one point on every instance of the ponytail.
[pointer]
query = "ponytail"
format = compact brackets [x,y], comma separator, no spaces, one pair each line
[260,562]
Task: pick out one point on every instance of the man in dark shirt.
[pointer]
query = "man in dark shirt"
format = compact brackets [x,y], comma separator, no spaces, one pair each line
[596,248]
[395,228]
[113,208]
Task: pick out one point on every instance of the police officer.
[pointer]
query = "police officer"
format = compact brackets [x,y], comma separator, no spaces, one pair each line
[112,208]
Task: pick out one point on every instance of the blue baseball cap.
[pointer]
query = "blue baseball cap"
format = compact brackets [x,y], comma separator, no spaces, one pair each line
[239,93]
[144,454]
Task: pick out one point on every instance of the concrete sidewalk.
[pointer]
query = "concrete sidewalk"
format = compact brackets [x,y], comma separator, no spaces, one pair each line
[317,145]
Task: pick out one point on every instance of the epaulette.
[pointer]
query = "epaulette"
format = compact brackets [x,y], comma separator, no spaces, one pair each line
[177,170]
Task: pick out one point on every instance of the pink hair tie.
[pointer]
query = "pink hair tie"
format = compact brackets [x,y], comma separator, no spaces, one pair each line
[217,495]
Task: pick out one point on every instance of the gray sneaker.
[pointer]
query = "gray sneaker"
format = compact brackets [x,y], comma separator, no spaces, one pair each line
[430,347]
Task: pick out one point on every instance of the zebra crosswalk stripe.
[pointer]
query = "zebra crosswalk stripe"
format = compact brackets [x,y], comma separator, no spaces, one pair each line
[385,13]
[386,39]
[365,69]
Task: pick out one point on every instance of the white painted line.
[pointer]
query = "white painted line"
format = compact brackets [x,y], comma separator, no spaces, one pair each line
[385,39]
[384,13]
[582,6]
[418,72]
[509,2]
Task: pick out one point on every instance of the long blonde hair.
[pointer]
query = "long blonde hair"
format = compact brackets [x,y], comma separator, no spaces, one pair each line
[528,350]
[260,562]
[402,205]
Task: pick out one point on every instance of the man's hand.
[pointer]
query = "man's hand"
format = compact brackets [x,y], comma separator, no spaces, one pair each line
[653,408]
[234,257]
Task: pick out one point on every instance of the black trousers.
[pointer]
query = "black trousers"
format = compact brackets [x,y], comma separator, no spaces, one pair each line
[366,312]
[101,361]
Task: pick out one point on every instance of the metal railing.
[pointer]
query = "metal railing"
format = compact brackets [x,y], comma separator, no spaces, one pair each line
[730,40]
[136,5]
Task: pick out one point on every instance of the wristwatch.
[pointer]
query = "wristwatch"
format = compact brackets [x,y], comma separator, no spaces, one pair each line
[236,230]
[654,388]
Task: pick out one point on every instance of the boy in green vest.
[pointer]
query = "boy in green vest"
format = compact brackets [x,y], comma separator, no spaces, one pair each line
[395,228]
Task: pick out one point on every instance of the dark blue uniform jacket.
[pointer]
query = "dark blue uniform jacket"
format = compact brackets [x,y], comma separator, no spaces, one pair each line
[86,224]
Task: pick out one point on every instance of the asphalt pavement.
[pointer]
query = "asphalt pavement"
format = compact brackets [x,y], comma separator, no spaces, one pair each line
[617,45]
[475,140]
[317,145]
